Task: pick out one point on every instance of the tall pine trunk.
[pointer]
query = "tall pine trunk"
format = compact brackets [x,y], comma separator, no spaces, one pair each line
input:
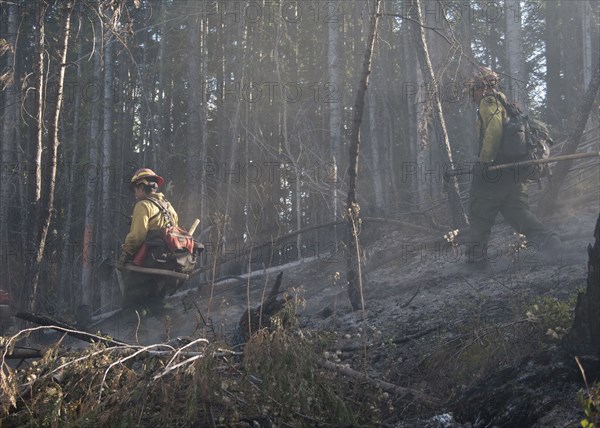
[50,178]
[335,112]
[8,142]
[40,89]
[66,269]
[465,36]
[376,156]
[296,193]
[91,185]
[203,213]
[195,115]
[517,81]
[162,107]
[353,271]
[587,31]
[554,82]
[34,232]
[457,212]
[410,98]
[107,192]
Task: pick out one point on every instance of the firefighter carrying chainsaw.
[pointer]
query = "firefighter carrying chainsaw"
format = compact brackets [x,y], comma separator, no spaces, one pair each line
[154,241]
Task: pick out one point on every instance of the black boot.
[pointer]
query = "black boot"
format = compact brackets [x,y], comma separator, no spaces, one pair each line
[552,251]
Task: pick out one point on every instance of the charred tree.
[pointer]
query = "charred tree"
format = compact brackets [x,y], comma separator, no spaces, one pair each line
[578,122]
[67,268]
[9,85]
[40,70]
[459,218]
[377,148]
[106,191]
[352,207]
[47,206]
[583,337]
[91,183]
[196,106]
[35,186]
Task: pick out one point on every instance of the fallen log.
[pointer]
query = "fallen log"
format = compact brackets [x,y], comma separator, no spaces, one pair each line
[397,341]
[259,248]
[405,393]
[22,354]
[57,325]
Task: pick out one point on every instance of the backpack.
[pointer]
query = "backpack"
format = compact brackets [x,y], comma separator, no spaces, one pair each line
[523,139]
[170,248]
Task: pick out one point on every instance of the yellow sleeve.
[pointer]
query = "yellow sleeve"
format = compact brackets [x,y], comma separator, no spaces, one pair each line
[139,229]
[491,117]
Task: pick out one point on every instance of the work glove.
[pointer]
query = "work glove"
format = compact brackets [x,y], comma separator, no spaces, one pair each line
[121,262]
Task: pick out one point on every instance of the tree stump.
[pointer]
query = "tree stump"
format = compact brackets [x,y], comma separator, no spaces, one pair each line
[255,318]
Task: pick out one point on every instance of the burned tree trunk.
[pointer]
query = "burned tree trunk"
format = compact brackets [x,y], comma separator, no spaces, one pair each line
[459,218]
[28,299]
[45,204]
[352,208]
[583,337]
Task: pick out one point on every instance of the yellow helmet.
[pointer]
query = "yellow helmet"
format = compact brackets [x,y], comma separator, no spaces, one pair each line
[484,76]
[146,176]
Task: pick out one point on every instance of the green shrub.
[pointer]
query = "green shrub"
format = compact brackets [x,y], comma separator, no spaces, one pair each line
[551,317]
[590,401]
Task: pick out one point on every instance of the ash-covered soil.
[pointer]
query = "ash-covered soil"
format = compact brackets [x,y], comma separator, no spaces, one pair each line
[484,343]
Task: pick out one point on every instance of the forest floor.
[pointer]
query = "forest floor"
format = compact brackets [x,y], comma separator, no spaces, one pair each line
[483,342]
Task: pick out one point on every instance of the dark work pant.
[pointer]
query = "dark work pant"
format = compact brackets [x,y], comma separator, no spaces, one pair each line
[144,290]
[502,193]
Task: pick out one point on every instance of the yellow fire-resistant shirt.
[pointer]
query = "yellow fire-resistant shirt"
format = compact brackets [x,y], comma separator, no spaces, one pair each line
[489,127]
[146,217]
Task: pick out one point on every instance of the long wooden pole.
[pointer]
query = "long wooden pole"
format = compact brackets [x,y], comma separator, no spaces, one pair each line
[456,172]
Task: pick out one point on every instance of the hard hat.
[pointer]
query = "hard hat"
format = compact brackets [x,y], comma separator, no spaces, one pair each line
[146,176]
[485,76]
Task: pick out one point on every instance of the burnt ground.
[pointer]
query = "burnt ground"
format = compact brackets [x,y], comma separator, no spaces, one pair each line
[484,343]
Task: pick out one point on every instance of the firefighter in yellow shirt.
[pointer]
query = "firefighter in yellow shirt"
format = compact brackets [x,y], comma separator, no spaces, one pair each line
[146,215]
[493,192]
[141,288]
